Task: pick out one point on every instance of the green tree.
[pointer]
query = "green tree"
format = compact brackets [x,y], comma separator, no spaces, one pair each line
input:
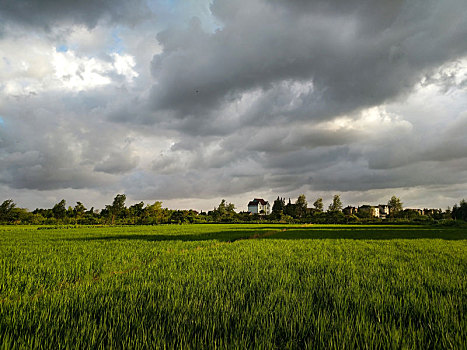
[117,208]
[318,204]
[59,210]
[118,204]
[70,213]
[335,217]
[230,208]
[79,211]
[222,208]
[459,212]
[21,215]
[177,217]
[224,212]
[395,205]
[6,209]
[301,206]
[136,212]
[278,206]
[154,214]
[289,209]
[278,209]
[336,204]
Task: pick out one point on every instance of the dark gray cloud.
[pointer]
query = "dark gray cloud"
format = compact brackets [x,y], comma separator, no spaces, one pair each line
[117,163]
[46,146]
[191,183]
[355,54]
[47,13]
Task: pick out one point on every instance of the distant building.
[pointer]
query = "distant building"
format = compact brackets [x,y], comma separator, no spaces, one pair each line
[383,211]
[370,210]
[349,210]
[431,212]
[259,206]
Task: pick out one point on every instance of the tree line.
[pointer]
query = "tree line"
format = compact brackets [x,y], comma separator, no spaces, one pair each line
[336,214]
[151,214]
[115,213]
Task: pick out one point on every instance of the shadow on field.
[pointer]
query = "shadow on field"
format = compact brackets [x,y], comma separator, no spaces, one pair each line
[223,236]
[297,233]
[371,233]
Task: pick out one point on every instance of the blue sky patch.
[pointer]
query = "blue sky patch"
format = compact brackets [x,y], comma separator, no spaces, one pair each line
[117,45]
[61,48]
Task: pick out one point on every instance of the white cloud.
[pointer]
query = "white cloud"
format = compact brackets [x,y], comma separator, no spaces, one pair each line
[78,73]
[124,65]
[372,121]
[43,68]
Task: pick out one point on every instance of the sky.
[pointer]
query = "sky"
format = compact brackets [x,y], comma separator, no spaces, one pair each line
[189,102]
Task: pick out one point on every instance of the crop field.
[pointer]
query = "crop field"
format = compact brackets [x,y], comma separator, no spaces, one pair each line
[233,286]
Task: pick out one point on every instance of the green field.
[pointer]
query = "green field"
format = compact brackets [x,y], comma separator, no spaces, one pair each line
[233,286]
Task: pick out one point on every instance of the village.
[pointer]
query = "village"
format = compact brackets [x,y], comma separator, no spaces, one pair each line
[380,211]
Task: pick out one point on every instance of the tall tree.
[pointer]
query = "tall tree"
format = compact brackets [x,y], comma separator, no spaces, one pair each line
[230,208]
[6,209]
[336,204]
[79,210]
[224,212]
[221,209]
[154,213]
[318,204]
[119,203]
[300,206]
[395,205]
[136,211]
[59,210]
[289,209]
[278,206]
[117,208]
[460,211]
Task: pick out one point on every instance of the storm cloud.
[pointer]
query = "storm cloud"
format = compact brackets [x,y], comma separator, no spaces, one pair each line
[191,102]
[44,14]
[353,56]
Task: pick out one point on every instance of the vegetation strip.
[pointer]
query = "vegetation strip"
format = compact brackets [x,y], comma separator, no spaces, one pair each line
[259,211]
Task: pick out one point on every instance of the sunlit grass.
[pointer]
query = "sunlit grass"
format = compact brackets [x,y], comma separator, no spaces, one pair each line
[233,286]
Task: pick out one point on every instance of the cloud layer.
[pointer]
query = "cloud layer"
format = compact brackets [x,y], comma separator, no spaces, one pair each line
[199,101]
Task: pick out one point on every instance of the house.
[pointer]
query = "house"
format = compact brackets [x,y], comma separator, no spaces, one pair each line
[383,211]
[431,212]
[350,210]
[369,210]
[259,206]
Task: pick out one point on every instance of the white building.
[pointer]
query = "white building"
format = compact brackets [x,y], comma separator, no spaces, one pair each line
[370,210]
[259,206]
[383,211]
